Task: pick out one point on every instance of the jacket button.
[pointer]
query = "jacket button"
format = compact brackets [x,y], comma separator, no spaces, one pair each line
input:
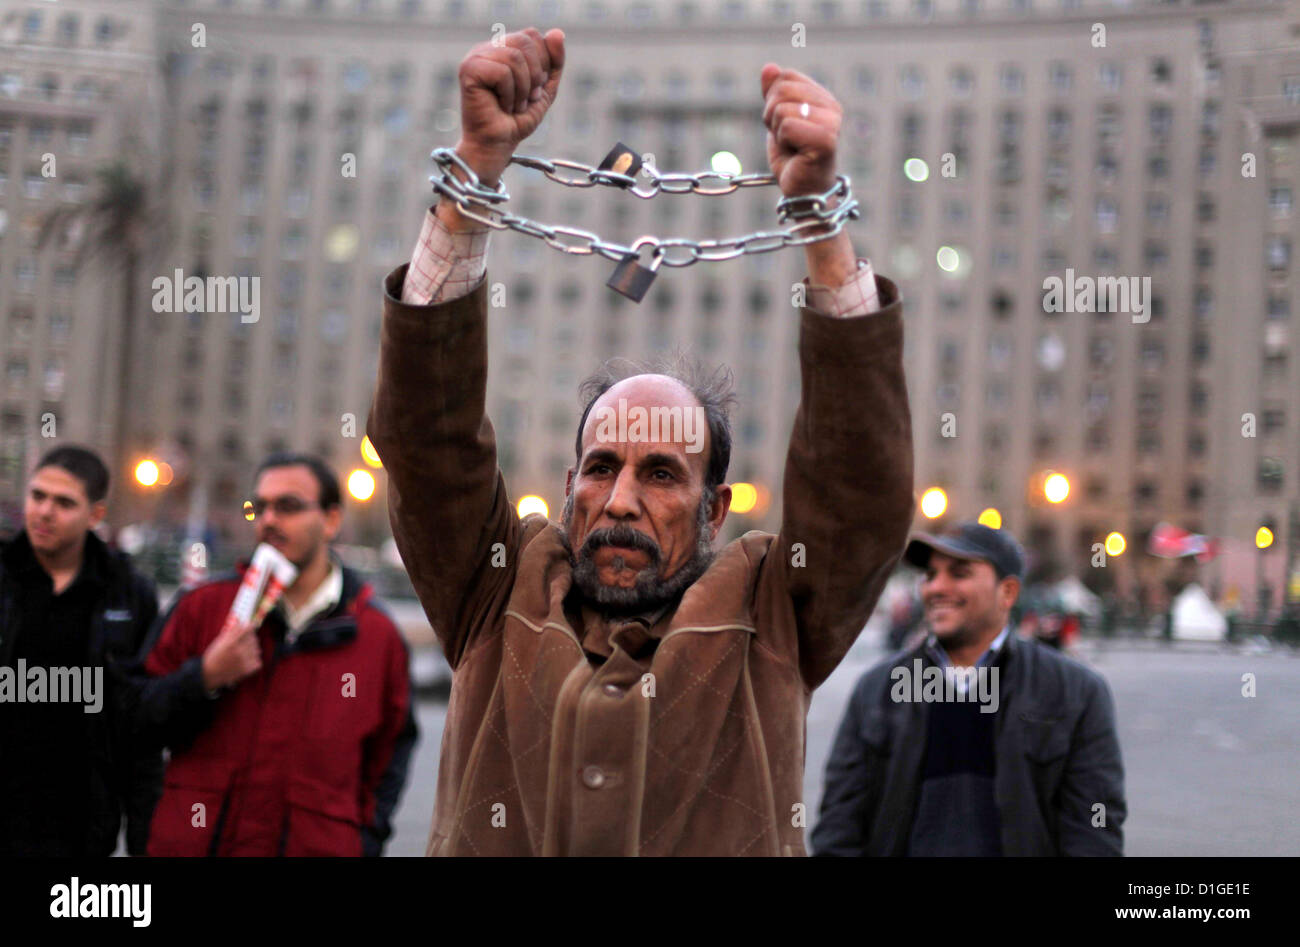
[592,777]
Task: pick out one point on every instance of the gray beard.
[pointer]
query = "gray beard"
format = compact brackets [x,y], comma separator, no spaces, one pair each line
[650,590]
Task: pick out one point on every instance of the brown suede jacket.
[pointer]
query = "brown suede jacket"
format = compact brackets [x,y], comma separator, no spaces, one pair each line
[570,735]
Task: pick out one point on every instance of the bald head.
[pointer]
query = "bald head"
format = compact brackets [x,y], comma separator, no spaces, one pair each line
[650,408]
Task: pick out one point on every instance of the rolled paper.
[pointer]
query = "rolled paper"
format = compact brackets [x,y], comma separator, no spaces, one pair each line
[267,576]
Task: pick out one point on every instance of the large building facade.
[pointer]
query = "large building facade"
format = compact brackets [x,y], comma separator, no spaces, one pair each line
[1106,139]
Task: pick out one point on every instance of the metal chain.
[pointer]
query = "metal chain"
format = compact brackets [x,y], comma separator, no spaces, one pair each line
[813,218]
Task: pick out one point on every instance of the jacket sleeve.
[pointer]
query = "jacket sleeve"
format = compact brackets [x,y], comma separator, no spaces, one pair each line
[174,706]
[847,500]
[1094,774]
[387,753]
[144,778]
[843,822]
[447,500]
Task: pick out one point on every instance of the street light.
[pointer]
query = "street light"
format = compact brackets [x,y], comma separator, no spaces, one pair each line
[1263,540]
[361,484]
[933,502]
[1115,544]
[744,497]
[1056,488]
[532,504]
[146,473]
[991,517]
[724,162]
[369,454]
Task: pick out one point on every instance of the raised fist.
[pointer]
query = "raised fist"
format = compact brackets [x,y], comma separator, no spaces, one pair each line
[506,87]
[803,130]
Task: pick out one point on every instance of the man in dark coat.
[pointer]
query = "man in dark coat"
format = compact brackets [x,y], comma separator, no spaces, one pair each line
[975,742]
[73,613]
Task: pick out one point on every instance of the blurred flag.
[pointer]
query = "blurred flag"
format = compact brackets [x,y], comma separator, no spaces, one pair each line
[1171,542]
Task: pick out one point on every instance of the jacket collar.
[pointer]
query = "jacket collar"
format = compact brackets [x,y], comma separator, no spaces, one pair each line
[992,656]
[20,561]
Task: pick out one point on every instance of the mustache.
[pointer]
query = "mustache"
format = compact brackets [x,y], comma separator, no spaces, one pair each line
[266,535]
[621,535]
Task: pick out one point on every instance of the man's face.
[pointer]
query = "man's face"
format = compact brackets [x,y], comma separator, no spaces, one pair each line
[57,513]
[633,514]
[964,599]
[290,517]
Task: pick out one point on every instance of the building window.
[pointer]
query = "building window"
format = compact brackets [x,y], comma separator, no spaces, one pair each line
[1278,253]
[1160,118]
[1059,76]
[1148,441]
[1058,124]
[1279,201]
[1011,80]
[1107,166]
[1101,351]
[1107,213]
[1157,209]
[961,81]
[1270,475]
[1202,301]
[1152,354]
[1161,71]
[1110,76]
[911,82]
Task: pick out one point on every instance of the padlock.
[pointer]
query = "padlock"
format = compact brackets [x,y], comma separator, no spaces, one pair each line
[632,279]
[622,160]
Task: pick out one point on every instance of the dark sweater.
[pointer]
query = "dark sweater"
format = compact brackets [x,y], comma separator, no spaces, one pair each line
[955,812]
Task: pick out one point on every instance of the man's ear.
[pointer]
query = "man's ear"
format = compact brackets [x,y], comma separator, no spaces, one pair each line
[1008,591]
[718,509]
[97,513]
[333,522]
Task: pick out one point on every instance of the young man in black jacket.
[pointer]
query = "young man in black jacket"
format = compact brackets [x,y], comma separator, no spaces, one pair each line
[72,614]
[975,742]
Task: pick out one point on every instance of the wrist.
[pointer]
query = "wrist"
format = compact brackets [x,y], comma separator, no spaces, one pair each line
[207,676]
[489,168]
[832,261]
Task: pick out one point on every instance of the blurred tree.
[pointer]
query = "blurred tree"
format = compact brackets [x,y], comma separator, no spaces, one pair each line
[123,225]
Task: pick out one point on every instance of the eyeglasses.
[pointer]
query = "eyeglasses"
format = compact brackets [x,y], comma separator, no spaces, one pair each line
[283,506]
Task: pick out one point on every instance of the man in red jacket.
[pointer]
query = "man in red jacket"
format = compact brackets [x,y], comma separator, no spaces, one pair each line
[292,738]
